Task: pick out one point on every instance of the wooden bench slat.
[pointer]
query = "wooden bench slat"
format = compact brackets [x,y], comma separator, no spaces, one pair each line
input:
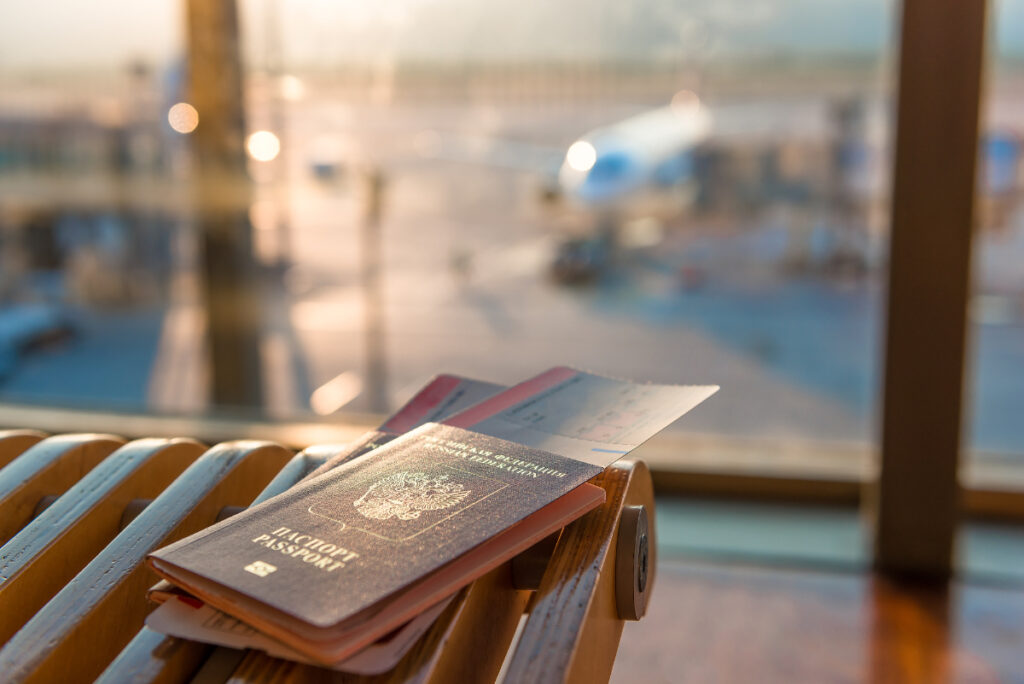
[157,658]
[61,642]
[301,465]
[14,442]
[573,631]
[50,466]
[475,646]
[46,553]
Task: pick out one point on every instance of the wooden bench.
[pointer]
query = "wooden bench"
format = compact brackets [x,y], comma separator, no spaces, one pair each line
[78,514]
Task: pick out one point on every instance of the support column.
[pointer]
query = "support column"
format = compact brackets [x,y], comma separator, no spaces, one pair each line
[231,288]
[940,75]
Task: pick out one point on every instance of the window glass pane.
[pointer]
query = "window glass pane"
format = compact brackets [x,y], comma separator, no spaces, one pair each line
[684,191]
[996,382]
[87,234]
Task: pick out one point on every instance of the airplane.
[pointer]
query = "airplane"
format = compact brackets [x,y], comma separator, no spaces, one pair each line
[607,180]
[823,161]
[637,157]
[617,181]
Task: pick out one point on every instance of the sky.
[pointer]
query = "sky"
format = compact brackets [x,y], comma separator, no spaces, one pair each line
[69,35]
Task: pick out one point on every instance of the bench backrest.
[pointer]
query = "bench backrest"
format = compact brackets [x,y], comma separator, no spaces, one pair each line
[79,513]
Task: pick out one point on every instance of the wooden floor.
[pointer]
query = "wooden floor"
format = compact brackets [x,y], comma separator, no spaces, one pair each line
[732,623]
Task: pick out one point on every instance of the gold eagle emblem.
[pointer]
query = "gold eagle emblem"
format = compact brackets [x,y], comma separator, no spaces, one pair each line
[405,495]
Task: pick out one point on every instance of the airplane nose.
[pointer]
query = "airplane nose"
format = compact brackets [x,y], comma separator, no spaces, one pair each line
[581,156]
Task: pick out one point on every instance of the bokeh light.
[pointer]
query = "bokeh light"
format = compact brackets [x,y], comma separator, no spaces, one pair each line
[581,156]
[263,146]
[292,88]
[183,117]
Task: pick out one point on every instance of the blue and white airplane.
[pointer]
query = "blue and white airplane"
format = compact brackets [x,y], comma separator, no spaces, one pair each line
[628,166]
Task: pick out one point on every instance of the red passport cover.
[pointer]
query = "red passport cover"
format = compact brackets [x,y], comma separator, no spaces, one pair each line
[337,544]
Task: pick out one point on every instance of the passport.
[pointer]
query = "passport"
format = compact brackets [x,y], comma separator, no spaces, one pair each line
[440,398]
[186,617]
[344,558]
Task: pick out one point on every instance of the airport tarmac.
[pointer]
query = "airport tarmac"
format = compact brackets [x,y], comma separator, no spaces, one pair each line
[465,250]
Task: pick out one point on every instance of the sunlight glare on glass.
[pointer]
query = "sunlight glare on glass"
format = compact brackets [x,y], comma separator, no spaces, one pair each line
[685,102]
[335,393]
[263,146]
[183,117]
[581,156]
